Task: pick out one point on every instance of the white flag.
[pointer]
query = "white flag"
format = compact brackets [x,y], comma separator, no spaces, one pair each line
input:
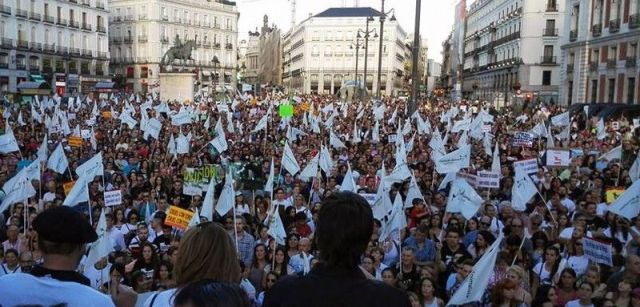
[628,204]
[463,198]
[262,124]
[93,167]
[126,118]
[424,127]
[268,187]
[79,193]
[550,142]
[454,161]
[602,130]
[17,189]
[356,133]
[348,184]
[474,286]
[311,170]
[634,171]
[20,119]
[195,219]
[101,247]
[171,146]
[375,134]
[539,130]
[335,141]
[152,128]
[495,163]
[413,193]
[276,227]
[227,197]
[289,162]
[220,141]
[449,177]
[406,129]
[183,143]
[522,191]
[437,144]
[397,219]
[615,153]
[561,119]
[43,150]
[58,160]
[207,203]
[207,123]
[325,162]
[8,141]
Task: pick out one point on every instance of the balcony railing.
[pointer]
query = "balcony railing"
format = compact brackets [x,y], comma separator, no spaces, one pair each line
[47,69]
[630,62]
[614,26]
[21,66]
[128,17]
[85,71]
[99,71]
[611,63]
[634,21]
[4,65]
[7,43]
[35,16]
[103,55]
[86,3]
[164,39]
[573,35]
[60,68]
[548,60]
[50,48]
[35,46]
[86,26]
[552,6]
[569,68]
[34,68]
[550,32]
[74,24]
[142,17]
[61,22]
[100,5]
[4,9]
[21,13]
[87,53]
[62,50]
[49,19]
[142,39]
[128,40]
[102,29]
[596,30]
[593,66]
[216,45]
[23,44]
[74,51]
[229,46]
[73,70]
[165,18]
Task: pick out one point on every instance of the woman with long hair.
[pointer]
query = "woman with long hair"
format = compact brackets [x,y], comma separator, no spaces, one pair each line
[516,274]
[256,270]
[577,259]
[270,279]
[206,252]
[566,286]
[545,297]
[281,262]
[427,294]
[292,244]
[543,272]
[593,276]
[503,294]
[484,239]
[162,276]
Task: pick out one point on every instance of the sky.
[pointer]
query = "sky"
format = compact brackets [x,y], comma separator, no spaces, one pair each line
[436,19]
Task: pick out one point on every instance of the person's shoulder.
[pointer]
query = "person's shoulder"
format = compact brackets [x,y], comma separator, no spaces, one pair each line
[160,299]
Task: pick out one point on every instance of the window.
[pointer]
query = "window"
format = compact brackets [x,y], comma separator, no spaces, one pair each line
[613,53]
[631,86]
[612,90]
[546,77]
[594,91]
[548,51]
[570,93]
[327,51]
[633,49]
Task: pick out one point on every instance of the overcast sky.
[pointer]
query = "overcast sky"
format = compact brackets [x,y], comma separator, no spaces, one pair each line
[436,18]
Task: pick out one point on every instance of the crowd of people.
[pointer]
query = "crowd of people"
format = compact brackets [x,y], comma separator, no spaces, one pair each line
[540,261]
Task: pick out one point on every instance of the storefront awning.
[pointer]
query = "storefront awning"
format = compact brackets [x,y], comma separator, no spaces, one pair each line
[37,78]
[105,85]
[33,88]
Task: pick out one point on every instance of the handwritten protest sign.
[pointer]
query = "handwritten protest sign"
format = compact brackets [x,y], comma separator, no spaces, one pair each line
[112,198]
[178,217]
[597,251]
[558,157]
[486,179]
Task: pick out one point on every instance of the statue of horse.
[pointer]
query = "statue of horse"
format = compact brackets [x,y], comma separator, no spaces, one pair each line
[181,52]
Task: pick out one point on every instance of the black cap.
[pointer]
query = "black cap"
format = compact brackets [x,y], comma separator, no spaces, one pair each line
[64,225]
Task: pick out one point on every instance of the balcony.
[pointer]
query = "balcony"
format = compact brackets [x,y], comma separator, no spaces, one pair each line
[87,53]
[21,66]
[164,39]
[87,27]
[552,6]
[73,1]
[34,69]
[74,51]
[548,60]
[61,22]
[198,43]
[49,48]
[35,16]
[116,39]
[142,17]
[573,35]
[35,46]
[102,55]
[47,69]
[216,25]
[100,5]
[630,62]
[73,70]
[614,26]
[128,40]
[21,13]
[62,50]
[611,63]
[596,30]
[49,19]
[634,21]
[216,45]
[142,39]
[23,45]
[60,68]
[569,68]
[4,65]
[99,71]
[128,18]
[102,29]
[86,3]
[74,24]
[593,66]
[206,44]
[7,43]
[85,71]
[550,32]
[228,46]
[5,9]
[165,18]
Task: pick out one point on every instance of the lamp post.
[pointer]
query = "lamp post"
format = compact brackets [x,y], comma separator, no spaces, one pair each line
[383,16]
[415,81]
[357,46]
[215,62]
[366,33]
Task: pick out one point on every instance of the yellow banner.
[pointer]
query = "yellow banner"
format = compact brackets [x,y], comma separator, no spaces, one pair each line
[178,217]
[67,187]
[613,194]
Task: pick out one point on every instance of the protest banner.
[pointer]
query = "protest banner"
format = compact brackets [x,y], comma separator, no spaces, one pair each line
[112,198]
[524,139]
[75,141]
[558,157]
[613,194]
[67,187]
[530,166]
[597,251]
[178,217]
[487,179]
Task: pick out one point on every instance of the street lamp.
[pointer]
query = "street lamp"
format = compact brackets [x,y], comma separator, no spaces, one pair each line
[215,62]
[357,46]
[366,34]
[383,16]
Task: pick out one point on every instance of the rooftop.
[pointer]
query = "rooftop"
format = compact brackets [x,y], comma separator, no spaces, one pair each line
[349,12]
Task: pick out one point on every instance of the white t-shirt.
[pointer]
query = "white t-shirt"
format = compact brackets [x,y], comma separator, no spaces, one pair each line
[579,264]
[97,277]
[576,303]
[568,232]
[162,299]
[543,274]
[26,289]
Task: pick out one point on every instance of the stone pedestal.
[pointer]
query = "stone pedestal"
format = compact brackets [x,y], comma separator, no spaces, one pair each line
[177,86]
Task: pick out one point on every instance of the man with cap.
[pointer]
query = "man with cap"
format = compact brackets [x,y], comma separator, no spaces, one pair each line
[62,236]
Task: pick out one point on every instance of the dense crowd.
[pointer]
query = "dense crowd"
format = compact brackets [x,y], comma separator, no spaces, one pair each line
[540,258]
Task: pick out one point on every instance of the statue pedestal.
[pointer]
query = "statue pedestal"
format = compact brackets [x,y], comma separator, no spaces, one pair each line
[177,86]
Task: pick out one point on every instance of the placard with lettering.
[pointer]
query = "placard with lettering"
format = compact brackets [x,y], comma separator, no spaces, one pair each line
[112,198]
[178,217]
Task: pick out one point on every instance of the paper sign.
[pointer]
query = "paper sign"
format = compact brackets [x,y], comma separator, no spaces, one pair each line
[486,179]
[613,194]
[285,110]
[615,126]
[112,198]
[558,157]
[530,166]
[392,138]
[75,141]
[191,189]
[597,251]
[223,107]
[178,217]
[523,139]
[370,197]
[246,87]
[472,180]
[67,187]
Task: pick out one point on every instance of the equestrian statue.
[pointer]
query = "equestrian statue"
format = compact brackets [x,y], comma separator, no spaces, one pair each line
[179,51]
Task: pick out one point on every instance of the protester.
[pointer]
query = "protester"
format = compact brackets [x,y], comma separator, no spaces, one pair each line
[210,293]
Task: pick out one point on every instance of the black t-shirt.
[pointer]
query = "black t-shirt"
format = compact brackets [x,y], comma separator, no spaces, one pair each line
[596,223]
[408,280]
[323,287]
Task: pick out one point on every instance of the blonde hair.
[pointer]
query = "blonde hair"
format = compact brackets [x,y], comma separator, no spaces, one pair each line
[206,252]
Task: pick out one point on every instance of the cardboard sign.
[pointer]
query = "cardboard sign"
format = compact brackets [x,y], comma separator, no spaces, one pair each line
[75,141]
[558,157]
[613,194]
[530,166]
[67,187]
[597,251]
[112,198]
[524,139]
[178,217]
[487,179]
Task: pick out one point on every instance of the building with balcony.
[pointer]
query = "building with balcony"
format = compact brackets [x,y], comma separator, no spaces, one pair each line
[512,49]
[63,43]
[600,52]
[320,52]
[262,56]
[142,31]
